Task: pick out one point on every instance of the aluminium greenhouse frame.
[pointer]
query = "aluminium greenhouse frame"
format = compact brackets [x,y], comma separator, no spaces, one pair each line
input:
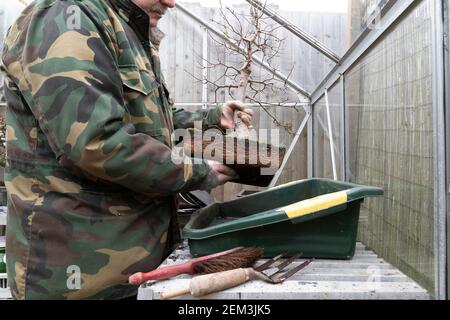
[390,14]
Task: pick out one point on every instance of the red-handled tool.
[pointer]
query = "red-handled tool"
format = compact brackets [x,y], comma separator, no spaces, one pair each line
[226,260]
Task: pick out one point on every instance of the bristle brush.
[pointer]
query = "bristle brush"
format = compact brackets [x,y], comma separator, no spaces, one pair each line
[222,261]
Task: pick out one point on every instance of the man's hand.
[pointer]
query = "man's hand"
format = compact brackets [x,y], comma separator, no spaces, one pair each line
[228,110]
[217,176]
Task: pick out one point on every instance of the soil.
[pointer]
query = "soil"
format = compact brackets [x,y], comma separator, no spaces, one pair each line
[247,165]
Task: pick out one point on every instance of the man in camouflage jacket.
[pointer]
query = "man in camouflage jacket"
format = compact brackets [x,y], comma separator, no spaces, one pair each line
[90,180]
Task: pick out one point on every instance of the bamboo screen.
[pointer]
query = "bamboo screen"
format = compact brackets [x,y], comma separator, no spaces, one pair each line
[322,151]
[389,104]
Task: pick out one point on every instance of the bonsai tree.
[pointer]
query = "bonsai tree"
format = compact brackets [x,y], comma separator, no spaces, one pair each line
[249,35]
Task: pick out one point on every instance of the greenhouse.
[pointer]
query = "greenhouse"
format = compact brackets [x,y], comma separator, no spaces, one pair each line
[353,92]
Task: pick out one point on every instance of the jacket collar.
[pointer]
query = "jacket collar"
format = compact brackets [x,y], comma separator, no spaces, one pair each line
[135,16]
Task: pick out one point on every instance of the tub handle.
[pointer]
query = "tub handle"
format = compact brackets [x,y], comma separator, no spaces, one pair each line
[319,203]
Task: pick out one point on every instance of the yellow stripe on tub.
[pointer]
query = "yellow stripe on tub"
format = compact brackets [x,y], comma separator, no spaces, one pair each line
[309,206]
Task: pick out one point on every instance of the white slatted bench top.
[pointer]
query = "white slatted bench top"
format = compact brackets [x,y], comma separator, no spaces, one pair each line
[4,290]
[366,276]
[5,294]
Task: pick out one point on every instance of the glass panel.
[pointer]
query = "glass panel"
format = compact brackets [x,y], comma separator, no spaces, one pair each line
[389,100]
[181,55]
[181,58]
[296,166]
[361,14]
[322,152]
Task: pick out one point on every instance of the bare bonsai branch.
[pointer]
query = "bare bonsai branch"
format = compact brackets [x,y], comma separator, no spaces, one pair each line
[249,35]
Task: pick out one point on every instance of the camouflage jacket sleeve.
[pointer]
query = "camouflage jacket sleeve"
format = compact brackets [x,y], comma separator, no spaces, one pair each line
[184,119]
[70,79]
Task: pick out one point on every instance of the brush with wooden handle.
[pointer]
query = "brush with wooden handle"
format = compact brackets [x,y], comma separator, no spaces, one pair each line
[239,257]
[210,283]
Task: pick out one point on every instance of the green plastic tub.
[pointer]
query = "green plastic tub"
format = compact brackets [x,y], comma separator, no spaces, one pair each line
[318,217]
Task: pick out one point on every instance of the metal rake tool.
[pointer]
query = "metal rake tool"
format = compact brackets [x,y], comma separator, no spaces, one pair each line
[215,282]
[263,272]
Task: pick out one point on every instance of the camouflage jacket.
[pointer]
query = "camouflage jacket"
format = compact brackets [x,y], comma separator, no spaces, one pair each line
[91,185]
